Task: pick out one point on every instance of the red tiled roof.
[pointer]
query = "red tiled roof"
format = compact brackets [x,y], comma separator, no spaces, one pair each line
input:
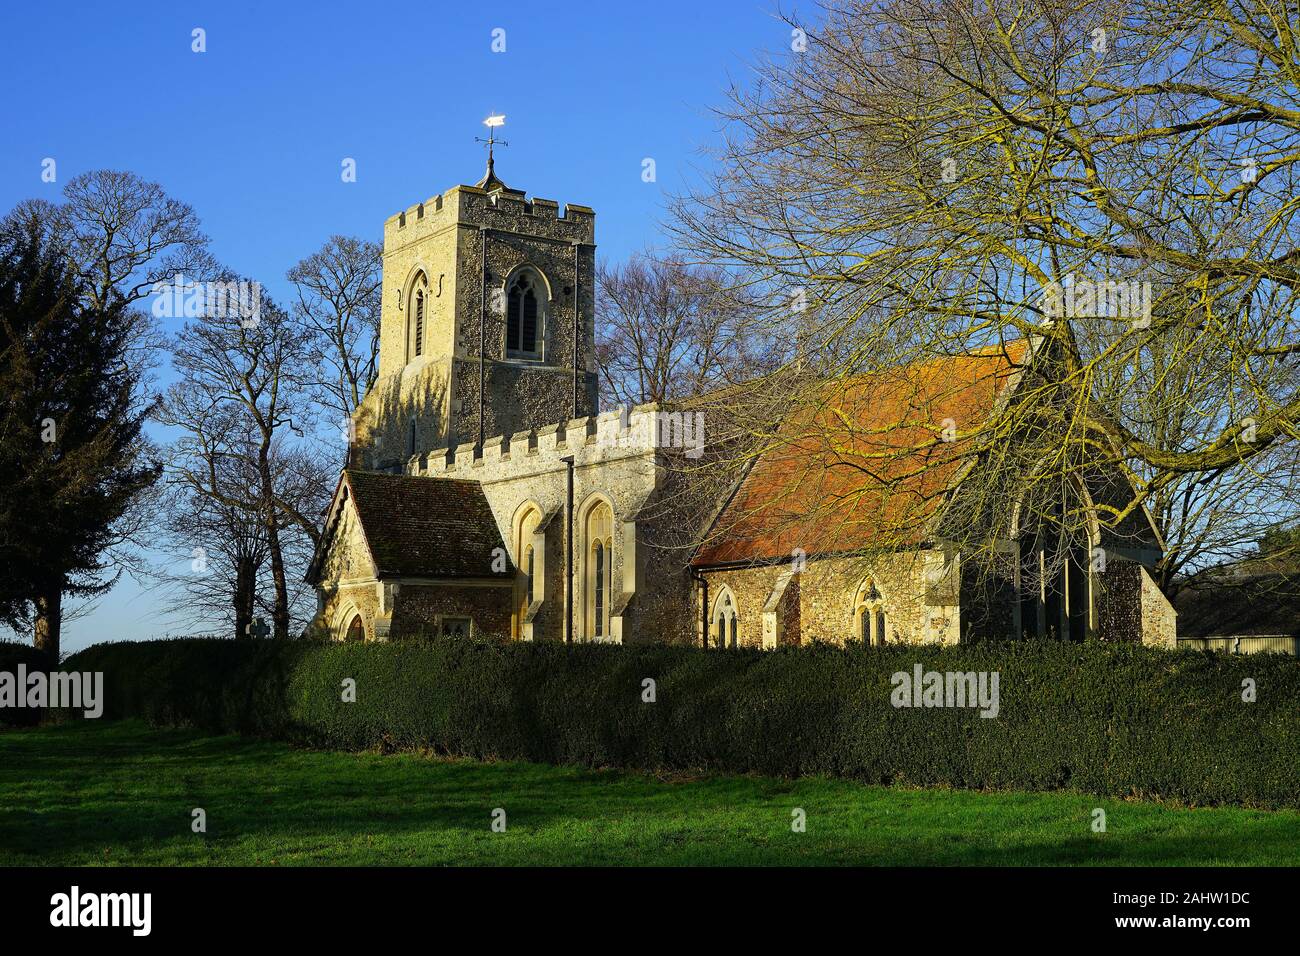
[865,465]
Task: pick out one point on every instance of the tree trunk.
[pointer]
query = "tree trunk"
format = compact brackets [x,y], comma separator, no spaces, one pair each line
[49,620]
[245,587]
[280,615]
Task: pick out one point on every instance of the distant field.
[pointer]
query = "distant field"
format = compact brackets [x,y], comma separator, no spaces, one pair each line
[123,793]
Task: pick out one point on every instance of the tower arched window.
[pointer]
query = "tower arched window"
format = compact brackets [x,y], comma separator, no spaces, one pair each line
[417,305]
[524,316]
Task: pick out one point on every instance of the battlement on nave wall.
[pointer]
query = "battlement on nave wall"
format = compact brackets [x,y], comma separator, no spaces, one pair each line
[618,434]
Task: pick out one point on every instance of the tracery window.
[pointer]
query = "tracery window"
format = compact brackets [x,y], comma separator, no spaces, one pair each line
[869,622]
[524,316]
[726,620]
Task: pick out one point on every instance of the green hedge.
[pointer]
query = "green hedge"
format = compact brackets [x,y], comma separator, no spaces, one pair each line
[1105,719]
[13,653]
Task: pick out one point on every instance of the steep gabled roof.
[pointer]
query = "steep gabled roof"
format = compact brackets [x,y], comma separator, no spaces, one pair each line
[866,465]
[420,527]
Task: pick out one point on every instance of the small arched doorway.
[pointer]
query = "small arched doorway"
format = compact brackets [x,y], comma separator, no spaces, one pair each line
[356,632]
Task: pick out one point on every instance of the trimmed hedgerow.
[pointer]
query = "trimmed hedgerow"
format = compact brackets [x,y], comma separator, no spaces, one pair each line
[13,653]
[1105,719]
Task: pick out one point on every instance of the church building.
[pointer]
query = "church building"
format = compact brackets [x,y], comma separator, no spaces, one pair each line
[487,494]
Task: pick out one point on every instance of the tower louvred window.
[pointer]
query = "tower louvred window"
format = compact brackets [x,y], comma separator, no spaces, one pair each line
[417,300]
[419,322]
[522,317]
[529,342]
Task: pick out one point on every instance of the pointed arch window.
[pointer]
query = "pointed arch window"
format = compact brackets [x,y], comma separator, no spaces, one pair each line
[524,316]
[600,558]
[726,620]
[416,306]
[869,623]
[356,630]
[527,586]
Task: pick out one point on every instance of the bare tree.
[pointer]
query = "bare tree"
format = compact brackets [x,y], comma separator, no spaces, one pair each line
[1211,517]
[213,523]
[1113,182]
[338,300]
[126,235]
[242,395]
[669,330]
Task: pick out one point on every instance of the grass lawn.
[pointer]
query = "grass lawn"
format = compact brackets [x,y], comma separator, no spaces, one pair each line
[101,793]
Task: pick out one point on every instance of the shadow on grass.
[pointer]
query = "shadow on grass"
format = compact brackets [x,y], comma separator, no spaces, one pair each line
[89,793]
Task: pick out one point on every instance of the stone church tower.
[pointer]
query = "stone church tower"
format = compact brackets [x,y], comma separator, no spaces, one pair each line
[487,326]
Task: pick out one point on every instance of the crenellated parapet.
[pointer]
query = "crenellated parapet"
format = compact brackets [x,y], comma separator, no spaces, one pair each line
[588,440]
[505,210]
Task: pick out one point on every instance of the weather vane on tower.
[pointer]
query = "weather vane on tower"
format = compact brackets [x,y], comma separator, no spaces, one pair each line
[492,122]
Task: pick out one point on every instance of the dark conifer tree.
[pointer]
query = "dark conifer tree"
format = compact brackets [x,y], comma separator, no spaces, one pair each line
[72,457]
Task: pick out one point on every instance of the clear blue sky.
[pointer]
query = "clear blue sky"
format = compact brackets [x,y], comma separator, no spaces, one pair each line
[252,132]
